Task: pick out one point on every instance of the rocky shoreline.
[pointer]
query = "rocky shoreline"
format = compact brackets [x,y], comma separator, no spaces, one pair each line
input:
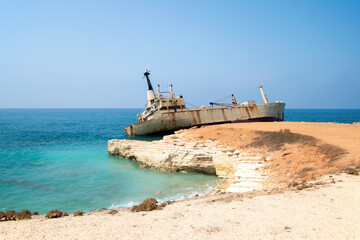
[176,154]
[243,159]
[303,191]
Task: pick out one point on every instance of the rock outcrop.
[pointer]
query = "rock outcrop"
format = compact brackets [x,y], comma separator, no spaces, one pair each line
[238,171]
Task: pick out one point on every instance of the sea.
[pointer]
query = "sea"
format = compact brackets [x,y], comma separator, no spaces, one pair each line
[57,158]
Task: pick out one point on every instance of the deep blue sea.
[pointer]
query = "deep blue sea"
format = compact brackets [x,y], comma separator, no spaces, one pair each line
[57,158]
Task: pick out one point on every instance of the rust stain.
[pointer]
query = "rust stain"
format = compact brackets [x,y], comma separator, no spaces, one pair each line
[251,109]
[247,112]
[198,116]
[131,130]
[193,118]
[211,115]
[173,119]
[223,113]
[254,110]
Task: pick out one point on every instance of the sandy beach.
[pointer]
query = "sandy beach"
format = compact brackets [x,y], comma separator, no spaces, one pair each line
[330,212]
[329,209]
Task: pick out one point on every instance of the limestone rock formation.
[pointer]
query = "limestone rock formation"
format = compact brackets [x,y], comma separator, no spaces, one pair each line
[238,171]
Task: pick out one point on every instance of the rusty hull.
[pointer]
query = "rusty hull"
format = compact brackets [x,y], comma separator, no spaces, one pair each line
[170,120]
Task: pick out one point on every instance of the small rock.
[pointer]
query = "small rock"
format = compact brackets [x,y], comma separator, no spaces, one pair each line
[113,212]
[54,214]
[161,206]
[147,205]
[78,213]
[293,184]
[35,213]
[164,204]
[10,215]
[65,214]
[351,171]
[301,187]
[2,215]
[23,214]
[287,227]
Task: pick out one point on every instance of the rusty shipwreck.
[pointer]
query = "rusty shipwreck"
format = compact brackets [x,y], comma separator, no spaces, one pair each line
[169,113]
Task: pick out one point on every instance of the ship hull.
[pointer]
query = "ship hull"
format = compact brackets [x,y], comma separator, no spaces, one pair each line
[165,121]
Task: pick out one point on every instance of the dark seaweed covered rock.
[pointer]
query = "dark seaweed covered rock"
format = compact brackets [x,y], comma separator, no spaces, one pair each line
[10,215]
[54,214]
[164,204]
[147,205]
[2,215]
[78,213]
[23,214]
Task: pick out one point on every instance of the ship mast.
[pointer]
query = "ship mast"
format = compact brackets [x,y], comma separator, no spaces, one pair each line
[150,93]
[263,94]
[146,74]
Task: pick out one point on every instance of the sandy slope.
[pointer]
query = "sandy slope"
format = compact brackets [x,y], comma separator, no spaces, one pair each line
[302,159]
[330,212]
[346,136]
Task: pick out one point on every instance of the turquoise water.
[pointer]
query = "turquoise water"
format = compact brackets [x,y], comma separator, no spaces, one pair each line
[323,115]
[57,158]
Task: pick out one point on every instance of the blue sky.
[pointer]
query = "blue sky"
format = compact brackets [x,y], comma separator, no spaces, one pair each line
[92,54]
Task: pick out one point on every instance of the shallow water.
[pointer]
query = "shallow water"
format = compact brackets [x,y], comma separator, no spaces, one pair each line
[57,158]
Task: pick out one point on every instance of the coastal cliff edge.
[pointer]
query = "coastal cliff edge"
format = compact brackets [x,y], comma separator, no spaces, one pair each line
[250,156]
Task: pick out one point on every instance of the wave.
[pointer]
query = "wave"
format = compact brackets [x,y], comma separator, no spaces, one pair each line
[176,197]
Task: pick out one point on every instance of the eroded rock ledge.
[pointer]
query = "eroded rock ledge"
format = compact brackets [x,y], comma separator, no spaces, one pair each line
[250,156]
[237,170]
